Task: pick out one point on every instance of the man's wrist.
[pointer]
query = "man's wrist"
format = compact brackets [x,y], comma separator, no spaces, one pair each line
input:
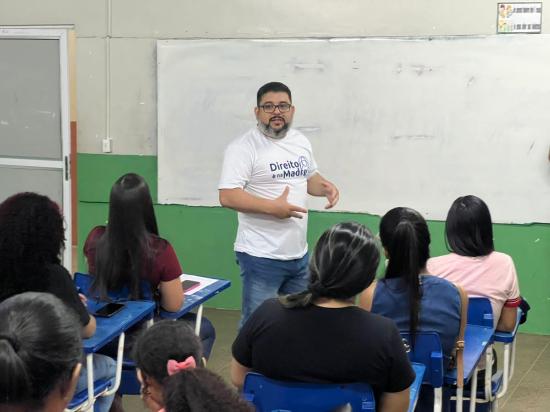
[268,207]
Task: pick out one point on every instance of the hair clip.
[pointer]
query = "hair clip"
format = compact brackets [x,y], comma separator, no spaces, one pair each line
[173,366]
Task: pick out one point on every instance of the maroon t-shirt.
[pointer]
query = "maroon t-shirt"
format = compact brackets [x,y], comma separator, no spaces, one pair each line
[165,268]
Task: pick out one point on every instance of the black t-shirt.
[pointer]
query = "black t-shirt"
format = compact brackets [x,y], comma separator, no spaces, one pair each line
[324,345]
[59,283]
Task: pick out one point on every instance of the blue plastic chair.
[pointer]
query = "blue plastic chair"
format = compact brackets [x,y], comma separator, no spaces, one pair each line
[480,312]
[129,384]
[427,351]
[508,339]
[83,282]
[414,389]
[269,395]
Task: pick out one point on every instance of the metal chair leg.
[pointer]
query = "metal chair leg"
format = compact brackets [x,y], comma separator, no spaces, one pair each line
[438,399]
[473,391]
[505,372]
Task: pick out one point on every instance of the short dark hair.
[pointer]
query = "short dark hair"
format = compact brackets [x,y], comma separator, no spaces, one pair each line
[468,228]
[163,341]
[343,264]
[272,87]
[40,345]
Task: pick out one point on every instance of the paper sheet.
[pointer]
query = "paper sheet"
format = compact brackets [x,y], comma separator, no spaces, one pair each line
[204,282]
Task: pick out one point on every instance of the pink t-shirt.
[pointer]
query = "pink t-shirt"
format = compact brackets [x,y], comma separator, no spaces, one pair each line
[492,276]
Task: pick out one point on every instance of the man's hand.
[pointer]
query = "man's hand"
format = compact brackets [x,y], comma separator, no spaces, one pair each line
[331,193]
[244,202]
[317,185]
[283,210]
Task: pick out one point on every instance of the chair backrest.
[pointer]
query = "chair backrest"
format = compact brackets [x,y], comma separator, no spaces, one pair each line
[480,312]
[427,350]
[84,282]
[271,395]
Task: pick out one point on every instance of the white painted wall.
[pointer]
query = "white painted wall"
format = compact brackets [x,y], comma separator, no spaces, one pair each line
[116,69]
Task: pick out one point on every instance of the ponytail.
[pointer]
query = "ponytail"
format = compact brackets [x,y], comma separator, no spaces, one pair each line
[297,300]
[404,263]
[15,383]
[40,346]
[343,264]
[405,236]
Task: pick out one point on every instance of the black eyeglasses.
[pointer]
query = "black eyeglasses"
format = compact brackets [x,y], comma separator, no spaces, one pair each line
[270,107]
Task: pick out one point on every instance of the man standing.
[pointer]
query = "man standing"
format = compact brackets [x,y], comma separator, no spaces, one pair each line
[266,176]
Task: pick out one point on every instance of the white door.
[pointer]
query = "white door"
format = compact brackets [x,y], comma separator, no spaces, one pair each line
[34,117]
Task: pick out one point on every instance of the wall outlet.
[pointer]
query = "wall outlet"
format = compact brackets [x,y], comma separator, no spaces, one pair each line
[106,145]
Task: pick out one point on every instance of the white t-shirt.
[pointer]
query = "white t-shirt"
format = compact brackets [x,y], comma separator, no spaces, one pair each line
[263,167]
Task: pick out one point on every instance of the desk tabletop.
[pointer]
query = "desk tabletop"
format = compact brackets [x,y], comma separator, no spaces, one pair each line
[508,337]
[192,300]
[476,340]
[419,370]
[197,298]
[110,328]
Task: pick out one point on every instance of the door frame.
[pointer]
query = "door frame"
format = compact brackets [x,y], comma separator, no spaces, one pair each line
[61,34]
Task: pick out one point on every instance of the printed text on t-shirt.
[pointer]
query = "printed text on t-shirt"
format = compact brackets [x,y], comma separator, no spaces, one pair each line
[289,168]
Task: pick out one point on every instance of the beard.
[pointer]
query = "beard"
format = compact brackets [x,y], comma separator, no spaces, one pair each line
[267,130]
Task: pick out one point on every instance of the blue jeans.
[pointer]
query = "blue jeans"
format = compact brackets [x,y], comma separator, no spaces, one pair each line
[265,278]
[207,333]
[104,368]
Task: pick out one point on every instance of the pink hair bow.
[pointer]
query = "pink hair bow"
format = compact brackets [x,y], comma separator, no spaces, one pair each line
[174,366]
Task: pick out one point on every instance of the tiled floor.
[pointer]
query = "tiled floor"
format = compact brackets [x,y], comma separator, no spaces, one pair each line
[529,390]
[530,386]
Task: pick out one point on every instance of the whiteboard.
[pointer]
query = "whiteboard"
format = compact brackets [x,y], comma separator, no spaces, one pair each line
[393,121]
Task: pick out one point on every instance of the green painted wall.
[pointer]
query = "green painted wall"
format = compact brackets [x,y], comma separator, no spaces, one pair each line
[203,236]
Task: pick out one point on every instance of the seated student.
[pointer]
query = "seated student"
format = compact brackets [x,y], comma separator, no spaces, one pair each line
[31,238]
[201,390]
[320,336]
[129,251]
[415,300]
[40,351]
[168,358]
[474,264]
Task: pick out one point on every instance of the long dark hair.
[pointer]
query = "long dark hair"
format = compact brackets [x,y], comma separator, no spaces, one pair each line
[343,264]
[40,345]
[124,252]
[31,237]
[406,238]
[468,228]
[201,390]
